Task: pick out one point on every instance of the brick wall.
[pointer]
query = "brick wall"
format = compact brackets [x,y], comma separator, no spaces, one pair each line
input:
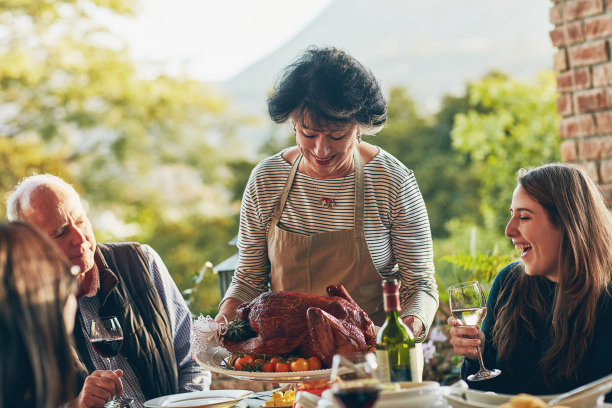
[583,61]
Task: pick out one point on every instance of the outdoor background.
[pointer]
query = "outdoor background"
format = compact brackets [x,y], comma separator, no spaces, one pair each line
[155,111]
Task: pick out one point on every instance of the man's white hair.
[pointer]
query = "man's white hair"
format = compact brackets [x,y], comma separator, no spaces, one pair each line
[20,197]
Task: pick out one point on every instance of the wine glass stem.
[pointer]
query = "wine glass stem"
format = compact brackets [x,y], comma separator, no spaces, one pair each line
[482,367]
[110,363]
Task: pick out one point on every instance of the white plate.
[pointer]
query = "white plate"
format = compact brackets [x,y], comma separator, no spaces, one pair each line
[457,401]
[487,399]
[214,357]
[210,399]
[411,395]
[493,398]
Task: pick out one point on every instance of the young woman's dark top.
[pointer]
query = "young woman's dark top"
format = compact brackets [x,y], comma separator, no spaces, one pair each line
[522,373]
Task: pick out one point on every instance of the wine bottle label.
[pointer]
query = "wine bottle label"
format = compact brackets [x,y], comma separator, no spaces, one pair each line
[393,373]
[382,357]
[414,365]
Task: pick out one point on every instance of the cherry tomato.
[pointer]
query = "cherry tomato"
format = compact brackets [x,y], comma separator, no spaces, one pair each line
[299,364]
[268,367]
[274,360]
[314,363]
[243,361]
[232,359]
[282,367]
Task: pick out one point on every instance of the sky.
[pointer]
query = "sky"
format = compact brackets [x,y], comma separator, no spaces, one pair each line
[210,40]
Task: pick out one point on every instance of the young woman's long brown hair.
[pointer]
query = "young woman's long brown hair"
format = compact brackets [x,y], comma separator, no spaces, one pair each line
[37,363]
[575,205]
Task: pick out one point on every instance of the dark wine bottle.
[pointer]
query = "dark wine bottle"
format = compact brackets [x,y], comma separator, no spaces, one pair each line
[395,342]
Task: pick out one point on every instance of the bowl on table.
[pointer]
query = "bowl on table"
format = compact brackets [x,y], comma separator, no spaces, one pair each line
[401,395]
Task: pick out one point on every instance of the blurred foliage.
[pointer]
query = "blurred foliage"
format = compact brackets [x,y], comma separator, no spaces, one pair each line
[149,156]
[482,267]
[424,145]
[467,240]
[510,124]
[157,160]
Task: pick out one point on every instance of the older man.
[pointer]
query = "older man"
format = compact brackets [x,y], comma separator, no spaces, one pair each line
[126,280]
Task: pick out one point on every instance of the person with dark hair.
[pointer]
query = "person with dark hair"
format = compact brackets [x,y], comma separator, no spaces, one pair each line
[126,280]
[547,326]
[334,209]
[38,367]
[37,307]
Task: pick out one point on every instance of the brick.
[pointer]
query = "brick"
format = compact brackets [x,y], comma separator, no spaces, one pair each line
[588,54]
[557,37]
[590,149]
[567,34]
[604,122]
[574,126]
[556,14]
[606,147]
[591,100]
[564,105]
[568,150]
[608,199]
[602,74]
[606,170]
[591,168]
[606,190]
[574,80]
[582,8]
[560,60]
[598,27]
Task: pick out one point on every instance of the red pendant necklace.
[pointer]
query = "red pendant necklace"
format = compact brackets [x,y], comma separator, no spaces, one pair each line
[329,202]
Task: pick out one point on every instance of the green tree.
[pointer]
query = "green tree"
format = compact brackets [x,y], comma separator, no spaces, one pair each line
[423,144]
[152,152]
[511,124]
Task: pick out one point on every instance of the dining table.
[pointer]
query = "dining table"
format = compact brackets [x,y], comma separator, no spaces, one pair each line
[259,398]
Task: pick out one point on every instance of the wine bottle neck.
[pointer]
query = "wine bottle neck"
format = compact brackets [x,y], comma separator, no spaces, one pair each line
[391,302]
[393,315]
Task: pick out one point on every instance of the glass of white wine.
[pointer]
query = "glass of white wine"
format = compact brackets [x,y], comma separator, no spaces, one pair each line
[469,306]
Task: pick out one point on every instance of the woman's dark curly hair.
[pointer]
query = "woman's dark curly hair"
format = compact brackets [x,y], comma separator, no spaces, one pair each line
[329,85]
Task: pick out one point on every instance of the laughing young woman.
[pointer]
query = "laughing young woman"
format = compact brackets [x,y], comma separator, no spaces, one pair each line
[548,315]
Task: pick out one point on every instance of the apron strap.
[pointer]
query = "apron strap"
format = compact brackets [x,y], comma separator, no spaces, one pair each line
[285,193]
[359,191]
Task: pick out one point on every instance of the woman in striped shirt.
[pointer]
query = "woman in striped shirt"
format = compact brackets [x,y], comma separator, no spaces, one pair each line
[334,209]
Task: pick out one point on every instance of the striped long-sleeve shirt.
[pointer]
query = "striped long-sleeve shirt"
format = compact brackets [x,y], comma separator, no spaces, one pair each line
[395,222]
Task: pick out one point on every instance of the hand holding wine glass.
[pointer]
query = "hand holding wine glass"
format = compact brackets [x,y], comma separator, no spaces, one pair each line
[469,307]
[106,338]
[355,379]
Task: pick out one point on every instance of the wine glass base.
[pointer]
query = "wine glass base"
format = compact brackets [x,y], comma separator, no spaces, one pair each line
[484,375]
[119,402]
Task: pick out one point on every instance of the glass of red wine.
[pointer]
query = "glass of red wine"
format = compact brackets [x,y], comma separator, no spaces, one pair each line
[355,379]
[106,338]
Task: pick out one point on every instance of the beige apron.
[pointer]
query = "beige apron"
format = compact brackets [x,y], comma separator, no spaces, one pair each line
[308,264]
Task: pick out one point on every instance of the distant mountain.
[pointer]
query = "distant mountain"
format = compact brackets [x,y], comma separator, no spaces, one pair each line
[432,47]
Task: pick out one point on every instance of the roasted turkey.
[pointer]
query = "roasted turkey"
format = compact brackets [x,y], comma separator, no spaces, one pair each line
[286,322]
